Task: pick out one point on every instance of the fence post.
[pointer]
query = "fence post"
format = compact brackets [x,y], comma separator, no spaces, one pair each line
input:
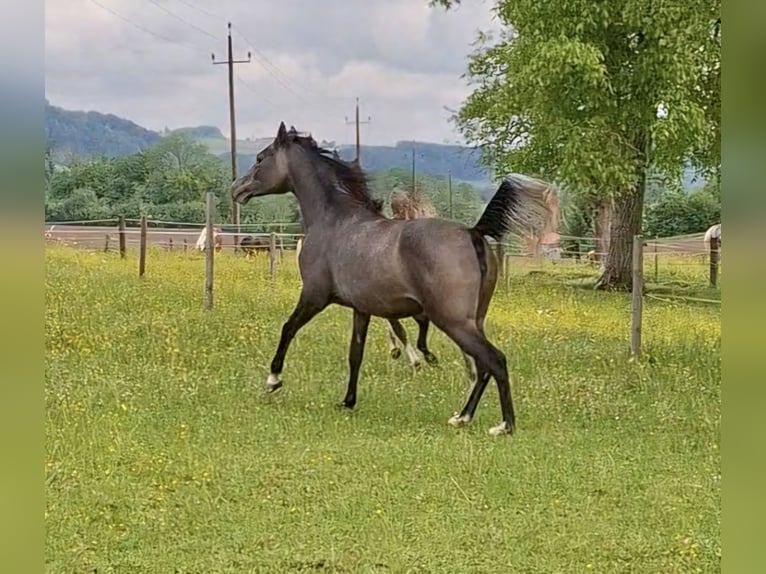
[170,244]
[637,297]
[121,233]
[106,244]
[272,256]
[142,248]
[656,263]
[186,245]
[715,254]
[209,251]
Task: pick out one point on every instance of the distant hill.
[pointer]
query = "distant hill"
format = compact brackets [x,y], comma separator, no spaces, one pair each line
[430,159]
[93,133]
[86,134]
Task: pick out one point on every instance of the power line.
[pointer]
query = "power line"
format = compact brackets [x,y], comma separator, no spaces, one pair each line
[134,24]
[200,9]
[206,33]
[180,19]
[262,59]
[256,91]
[273,69]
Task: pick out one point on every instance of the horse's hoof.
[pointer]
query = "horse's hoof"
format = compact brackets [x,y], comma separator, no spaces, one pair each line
[345,405]
[274,388]
[457,420]
[430,358]
[273,383]
[396,353]
[501,429]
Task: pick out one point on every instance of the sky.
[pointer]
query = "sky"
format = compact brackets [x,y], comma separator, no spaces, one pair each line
[150,61]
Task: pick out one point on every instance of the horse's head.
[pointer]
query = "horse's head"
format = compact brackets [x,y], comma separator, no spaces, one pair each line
[269,173]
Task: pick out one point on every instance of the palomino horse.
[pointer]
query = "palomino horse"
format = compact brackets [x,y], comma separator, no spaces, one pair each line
[713,232]
[217,239]
[355,257]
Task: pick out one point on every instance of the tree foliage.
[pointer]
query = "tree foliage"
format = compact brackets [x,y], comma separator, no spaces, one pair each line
[592,93]
[679,213]
[168,182]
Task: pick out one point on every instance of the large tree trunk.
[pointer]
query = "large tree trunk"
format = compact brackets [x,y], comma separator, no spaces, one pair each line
[617,268]
[603,225]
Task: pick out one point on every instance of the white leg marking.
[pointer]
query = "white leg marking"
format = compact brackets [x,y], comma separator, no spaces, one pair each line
[274,380]
[500,429]
[412,355]
[457,421]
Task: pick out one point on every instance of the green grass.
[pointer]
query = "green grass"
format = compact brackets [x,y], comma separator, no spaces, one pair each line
[163,453]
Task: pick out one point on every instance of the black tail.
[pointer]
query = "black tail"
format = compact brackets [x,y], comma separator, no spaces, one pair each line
[519,205]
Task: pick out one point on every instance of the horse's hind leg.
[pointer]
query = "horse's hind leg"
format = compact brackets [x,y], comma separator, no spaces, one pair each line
[355,355]
[422,345]
[401,334]
[306,309]
[393,341]
[490,361]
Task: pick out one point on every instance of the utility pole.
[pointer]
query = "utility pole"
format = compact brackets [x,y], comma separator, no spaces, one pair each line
[413,169]
[357,122]
[230,61]
[449,187]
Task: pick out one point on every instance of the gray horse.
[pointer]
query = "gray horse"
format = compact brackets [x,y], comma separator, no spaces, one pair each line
[355,257]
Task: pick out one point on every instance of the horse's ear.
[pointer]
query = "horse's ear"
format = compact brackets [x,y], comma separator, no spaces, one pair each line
[292,131]
[281,134]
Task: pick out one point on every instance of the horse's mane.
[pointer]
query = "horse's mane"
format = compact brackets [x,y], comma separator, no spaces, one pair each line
[353,181]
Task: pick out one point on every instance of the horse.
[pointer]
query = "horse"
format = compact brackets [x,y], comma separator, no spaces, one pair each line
[217,239]
[252,245]
[355,257]
[395,332]
[713,232]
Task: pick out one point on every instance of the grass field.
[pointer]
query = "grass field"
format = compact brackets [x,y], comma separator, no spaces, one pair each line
[165,455]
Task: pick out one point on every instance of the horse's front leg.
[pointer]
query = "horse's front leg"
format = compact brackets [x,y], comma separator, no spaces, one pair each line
[355,354]
[306,309]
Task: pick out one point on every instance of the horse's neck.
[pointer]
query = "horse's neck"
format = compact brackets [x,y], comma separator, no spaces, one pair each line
[316,209]
[310,194]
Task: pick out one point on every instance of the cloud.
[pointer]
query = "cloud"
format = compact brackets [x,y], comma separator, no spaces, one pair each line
[310,60]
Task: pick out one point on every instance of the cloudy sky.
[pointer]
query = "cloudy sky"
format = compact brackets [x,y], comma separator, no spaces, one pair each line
[150,61]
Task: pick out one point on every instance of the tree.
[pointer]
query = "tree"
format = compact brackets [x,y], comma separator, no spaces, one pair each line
[592,94]
[81,205]
[679,213]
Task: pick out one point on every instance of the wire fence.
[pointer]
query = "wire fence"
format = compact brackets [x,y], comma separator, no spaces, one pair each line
[679,261]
